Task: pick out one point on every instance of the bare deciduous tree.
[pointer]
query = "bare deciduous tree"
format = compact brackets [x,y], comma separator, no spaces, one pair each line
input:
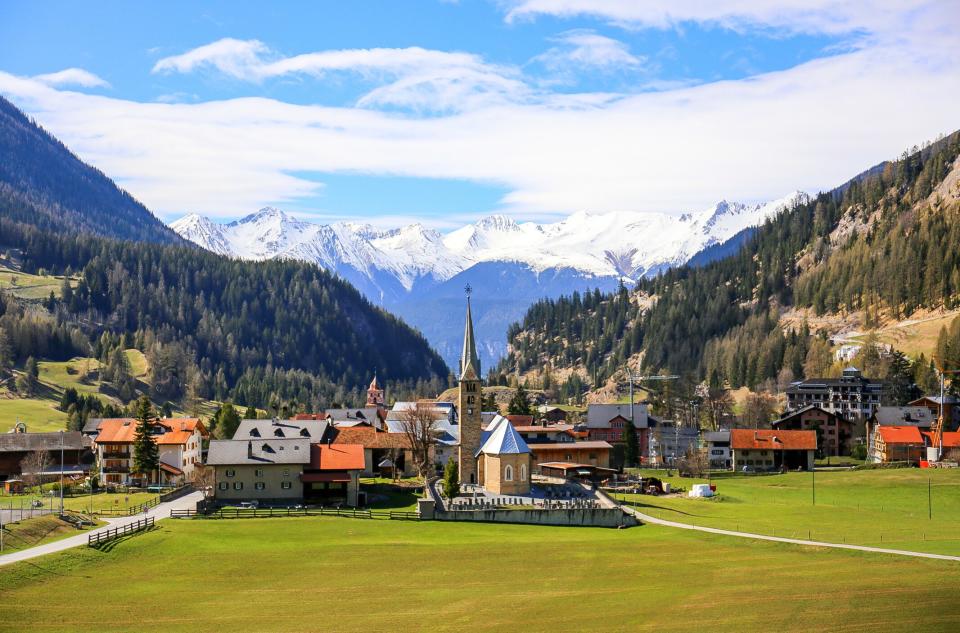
[695,463]
[203,478]
[758,409]
[32,467]
[419,424]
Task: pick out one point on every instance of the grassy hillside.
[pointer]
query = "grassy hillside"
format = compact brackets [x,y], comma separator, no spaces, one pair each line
[317,573]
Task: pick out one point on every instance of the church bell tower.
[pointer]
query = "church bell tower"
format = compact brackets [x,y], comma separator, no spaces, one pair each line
[469,403]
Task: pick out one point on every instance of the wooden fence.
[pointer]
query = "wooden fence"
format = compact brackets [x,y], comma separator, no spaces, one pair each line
[264,513]
[108,535]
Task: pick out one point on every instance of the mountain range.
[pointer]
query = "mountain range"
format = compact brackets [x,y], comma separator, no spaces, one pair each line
[416,271]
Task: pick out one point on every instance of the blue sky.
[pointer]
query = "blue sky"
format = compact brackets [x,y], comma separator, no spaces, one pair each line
[446,111]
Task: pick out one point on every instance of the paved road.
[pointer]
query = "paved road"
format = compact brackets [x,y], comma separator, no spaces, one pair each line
[794,541]
[161,511]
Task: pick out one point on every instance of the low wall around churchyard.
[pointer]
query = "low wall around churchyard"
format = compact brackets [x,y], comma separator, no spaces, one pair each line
[580,517]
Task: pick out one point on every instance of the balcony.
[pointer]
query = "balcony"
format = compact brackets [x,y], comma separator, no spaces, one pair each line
[116,469]
[116,455]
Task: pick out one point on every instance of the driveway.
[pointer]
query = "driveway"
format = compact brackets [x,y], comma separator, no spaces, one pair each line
[158,512]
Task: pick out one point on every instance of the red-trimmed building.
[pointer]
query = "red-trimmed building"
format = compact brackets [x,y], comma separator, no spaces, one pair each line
[897,444]
[772,449]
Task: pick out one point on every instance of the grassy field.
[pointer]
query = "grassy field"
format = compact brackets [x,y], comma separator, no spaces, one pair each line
[37,531]
[329,574]
[30,286]
[38,415]
[866,507]
[384,494]
[82,503]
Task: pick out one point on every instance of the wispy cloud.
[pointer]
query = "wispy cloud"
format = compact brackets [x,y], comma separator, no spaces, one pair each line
[585,48]
[72,77]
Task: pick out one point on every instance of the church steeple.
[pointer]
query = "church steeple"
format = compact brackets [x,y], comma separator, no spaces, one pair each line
[469,354]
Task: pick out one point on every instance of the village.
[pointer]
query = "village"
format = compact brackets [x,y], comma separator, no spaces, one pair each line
[464,463]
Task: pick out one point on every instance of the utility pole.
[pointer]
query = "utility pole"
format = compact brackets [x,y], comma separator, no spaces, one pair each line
[61,473]
[813,487]
[930,496]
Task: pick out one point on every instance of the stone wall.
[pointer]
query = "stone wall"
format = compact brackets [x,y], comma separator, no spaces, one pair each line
[582,517]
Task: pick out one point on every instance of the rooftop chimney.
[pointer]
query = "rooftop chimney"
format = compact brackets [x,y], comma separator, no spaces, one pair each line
[249,449]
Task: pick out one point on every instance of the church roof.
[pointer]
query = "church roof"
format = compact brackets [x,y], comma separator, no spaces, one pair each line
[373,383]
[503,439]
[469,354]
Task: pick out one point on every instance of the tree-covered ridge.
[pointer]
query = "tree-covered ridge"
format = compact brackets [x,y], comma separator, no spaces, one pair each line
[790,261]
[45,185]
[225,316]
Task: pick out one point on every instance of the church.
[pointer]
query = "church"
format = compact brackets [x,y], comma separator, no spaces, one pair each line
[498,460]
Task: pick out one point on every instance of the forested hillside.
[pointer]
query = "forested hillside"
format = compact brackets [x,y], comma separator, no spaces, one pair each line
[44,184]
[210,327]
[880,244]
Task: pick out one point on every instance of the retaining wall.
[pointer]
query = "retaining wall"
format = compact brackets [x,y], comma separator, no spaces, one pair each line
[582,517]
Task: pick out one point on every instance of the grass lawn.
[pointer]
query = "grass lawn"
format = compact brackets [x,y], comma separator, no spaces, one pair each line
[84,503]
[384,494]
[866,507]
[38,415]
[36,531]
[329,574]
[30,286]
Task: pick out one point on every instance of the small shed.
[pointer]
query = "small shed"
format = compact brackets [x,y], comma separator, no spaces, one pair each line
[13,486]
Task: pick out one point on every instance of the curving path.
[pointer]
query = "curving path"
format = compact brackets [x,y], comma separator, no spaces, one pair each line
[158,512]
[793,541]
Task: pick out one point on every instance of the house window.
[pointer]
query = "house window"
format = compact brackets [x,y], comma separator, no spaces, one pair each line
[508,473]
[223,485]
[258,472]
[523,472]
[238,485]
[286,485]
[259,485]
[230,473]
[286,472]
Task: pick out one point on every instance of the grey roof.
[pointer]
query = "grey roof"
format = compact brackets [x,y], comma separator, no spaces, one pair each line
[92,426]
[265,451]
[504,440]
[446,432]
[278,429]
[936,399]
[599,415]
[716,436]
[20,442]
[903,416]
[364,413]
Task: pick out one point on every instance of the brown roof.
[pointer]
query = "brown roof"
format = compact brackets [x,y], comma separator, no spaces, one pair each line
[596,444]
[336,457]
[900,434]
[371,438]
[769,439]
[520,420]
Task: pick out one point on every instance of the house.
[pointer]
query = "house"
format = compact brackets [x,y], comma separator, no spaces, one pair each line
[606,422]
[670,441]
[549,433]
[918,416]
[268,469]
[520,420]
[592,452]
[375,416]
[717,446]
[78,455]
[847,352]
[581,472]
[951,412]
[443,411]
[551,414]
[772,450]
[834,432]
[378,447]
[897,444]
[503,461]
[333,474]
[851,396]
[180,444]
[307,428]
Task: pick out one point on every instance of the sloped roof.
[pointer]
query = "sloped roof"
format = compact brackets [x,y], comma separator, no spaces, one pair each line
[336,457]
[258,451]
[904,416]
[313,430]
[17,442]
[777,440]
[123,430]
[504,440]
[789,416]
[600,415]
[900,434]
[951,439]
[370,438]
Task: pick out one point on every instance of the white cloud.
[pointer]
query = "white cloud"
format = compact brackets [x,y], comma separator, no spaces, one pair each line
[415,77]
[808,127]
[72,77]
[584,48]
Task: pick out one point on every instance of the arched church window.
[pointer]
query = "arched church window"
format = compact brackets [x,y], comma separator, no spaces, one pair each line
[508,473]
[523,472]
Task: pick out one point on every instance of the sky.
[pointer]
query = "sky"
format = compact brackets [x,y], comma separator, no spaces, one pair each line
[443,112]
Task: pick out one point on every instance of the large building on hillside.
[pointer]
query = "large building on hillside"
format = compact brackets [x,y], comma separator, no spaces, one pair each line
[850,396]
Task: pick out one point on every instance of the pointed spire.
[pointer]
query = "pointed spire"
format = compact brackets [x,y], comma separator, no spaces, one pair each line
[468,358]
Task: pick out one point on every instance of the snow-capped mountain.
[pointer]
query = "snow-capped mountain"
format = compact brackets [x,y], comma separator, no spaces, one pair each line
[412,268]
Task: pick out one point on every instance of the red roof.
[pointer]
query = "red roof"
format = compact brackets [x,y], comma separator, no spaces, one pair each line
[122,430]
[336,457]
[520,420]
[776,440]
[900,434]
[951,439]
[370,438]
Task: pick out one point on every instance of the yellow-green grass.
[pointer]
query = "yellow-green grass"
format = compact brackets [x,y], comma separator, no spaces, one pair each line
[83,503]
[138,362]
[37,531]
[865,507]
[330,574]
[61,375]
[384,494]
[38,415]
[30,286]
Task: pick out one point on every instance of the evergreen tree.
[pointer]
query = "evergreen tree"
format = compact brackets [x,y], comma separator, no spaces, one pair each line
[250,413]
[6,352]
[227,422]
[519,405]
[488,402]
[631,452]
[146,455]
[451,479]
